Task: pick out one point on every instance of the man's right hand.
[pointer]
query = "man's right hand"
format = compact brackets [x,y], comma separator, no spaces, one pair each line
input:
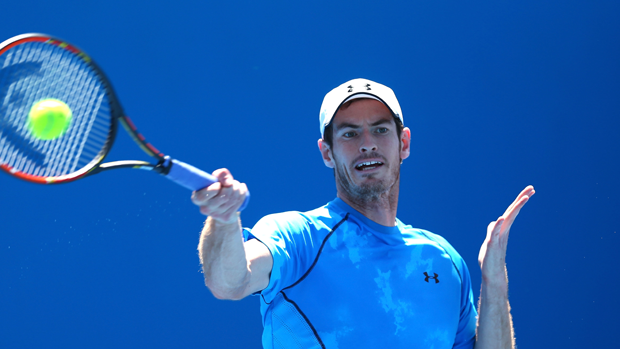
[221,200]
[233,269]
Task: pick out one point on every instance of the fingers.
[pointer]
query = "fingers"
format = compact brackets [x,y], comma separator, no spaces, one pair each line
[228,197]
[222,199]
[203,196]
[513,210]
[498,231]
[527,192]
[224,176]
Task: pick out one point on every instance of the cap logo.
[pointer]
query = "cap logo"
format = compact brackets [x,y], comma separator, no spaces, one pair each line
[368,87]
[350,88]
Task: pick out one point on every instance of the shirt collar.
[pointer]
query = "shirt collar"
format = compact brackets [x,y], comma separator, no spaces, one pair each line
[395,230]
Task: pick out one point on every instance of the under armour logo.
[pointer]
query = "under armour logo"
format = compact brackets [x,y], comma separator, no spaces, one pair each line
[367,87]
[436,277]
[350,88]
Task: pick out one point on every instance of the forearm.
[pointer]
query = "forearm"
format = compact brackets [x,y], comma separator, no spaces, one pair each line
[494,320]
[223,259]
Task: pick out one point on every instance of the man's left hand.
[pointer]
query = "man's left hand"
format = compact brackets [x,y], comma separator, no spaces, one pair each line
[492,257]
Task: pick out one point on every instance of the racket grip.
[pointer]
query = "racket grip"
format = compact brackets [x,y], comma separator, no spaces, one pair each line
[193,178]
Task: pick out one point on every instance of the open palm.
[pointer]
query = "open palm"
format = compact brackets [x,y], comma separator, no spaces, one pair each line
[492,257]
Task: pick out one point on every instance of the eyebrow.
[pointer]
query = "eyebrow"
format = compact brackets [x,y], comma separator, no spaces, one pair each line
[357,126]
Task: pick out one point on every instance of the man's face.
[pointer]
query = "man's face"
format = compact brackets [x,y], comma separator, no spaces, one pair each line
[366,151]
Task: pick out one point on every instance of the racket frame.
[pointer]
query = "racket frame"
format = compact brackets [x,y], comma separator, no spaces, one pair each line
[117,115]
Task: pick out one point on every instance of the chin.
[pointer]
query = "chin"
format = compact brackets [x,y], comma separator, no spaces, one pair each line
[365,186]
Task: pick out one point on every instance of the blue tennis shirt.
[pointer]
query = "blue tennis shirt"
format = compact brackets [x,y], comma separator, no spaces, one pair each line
[340,280]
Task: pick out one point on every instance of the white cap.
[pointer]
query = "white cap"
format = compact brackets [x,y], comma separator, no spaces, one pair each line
[357,88]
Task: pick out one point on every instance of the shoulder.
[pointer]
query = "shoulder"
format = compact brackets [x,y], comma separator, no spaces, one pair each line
[443,243]
[282,219]
[293,222]
[440,241]
[324,215]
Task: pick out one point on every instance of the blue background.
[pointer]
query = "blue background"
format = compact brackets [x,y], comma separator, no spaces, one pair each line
[498,95]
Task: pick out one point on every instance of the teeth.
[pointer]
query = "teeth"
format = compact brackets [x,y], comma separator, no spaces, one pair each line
[369,163]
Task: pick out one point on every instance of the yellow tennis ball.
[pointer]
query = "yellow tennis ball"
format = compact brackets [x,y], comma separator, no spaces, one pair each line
[49,119]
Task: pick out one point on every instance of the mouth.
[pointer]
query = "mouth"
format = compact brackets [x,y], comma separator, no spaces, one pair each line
[368,165]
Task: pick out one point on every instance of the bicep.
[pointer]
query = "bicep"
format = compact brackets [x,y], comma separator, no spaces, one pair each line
[260,263]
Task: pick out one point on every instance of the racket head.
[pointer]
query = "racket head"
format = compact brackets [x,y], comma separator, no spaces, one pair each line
[34,67]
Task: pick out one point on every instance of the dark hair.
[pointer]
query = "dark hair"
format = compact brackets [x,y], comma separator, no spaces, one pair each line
[328,133]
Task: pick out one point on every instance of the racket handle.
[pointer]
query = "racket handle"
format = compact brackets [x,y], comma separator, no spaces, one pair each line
[192,178]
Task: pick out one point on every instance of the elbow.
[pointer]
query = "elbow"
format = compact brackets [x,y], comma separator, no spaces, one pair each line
[228,296]
[226,293]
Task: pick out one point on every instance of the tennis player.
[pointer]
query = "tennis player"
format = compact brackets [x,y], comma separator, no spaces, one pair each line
[349,274]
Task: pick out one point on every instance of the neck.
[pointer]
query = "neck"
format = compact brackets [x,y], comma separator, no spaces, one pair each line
[381,209]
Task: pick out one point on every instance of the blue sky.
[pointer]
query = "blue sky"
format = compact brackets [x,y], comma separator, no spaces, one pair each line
[498,95]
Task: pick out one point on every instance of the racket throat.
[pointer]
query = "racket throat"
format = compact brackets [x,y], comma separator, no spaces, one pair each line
[163,166]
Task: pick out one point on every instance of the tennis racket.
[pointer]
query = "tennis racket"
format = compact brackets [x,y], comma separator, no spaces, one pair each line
[34,67]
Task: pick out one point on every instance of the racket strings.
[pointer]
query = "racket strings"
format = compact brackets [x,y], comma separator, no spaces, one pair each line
[33,71]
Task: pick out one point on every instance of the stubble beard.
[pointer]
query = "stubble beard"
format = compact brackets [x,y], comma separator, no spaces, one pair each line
[368,194]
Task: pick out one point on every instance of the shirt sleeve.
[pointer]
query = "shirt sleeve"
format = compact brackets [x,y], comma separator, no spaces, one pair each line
[291,241]
[466,332]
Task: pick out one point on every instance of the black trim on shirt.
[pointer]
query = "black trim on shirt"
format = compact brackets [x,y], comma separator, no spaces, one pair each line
[316,334]
[316,259]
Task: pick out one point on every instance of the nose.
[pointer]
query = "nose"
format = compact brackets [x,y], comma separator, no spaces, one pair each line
[368,143]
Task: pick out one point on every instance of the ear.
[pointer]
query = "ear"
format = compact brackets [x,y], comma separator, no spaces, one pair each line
[405,143]
[326,153]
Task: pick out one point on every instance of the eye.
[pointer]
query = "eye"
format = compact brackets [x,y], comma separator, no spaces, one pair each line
[381,130]
[349,134]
